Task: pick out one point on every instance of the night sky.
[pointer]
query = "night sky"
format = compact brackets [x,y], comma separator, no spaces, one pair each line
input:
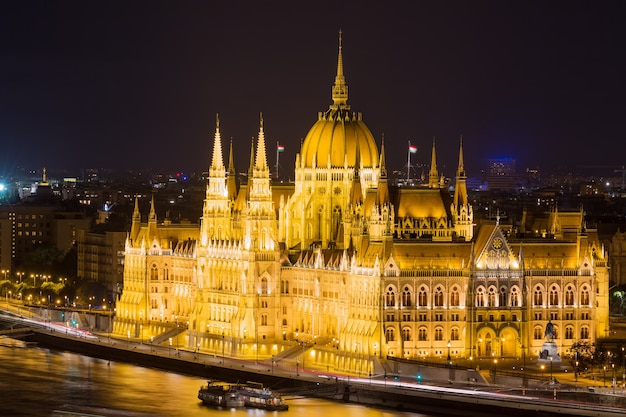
[137,84]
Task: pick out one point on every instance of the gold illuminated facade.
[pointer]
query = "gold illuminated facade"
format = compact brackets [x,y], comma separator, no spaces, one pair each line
[350,268]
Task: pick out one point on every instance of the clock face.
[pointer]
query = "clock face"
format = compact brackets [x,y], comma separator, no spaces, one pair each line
[497,243]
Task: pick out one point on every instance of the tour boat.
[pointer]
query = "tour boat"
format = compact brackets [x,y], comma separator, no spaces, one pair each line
[251,395]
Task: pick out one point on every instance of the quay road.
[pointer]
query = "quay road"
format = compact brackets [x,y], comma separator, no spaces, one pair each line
[403,395]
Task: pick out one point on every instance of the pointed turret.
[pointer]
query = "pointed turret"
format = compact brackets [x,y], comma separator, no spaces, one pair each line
[152,221]
[340,89]
[461,209]
[260,216]
[460,189]
[383,186]
[215,224]
[136,221]
[231,181]
[433,175]
[217,173]
[217,162]
[261,155]
[357,192]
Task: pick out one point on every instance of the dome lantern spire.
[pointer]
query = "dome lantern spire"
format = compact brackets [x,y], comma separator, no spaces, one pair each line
[340,89]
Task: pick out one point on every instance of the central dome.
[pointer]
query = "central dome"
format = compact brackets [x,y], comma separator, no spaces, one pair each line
[339,135]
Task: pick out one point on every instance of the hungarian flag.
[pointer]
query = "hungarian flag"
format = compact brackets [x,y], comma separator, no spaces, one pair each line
[412,148]
[280,148]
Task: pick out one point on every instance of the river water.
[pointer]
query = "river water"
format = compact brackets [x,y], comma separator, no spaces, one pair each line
[35,381]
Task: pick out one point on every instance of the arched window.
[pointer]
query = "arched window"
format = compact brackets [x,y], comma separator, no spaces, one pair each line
[439,334]
[480,298]
[422,334]
[284,322]
[492,298]
[454,334]
[264,286]
[390,299]
[502,299]
[423,297]
[554,296]
[154,273]
[438,297]
[389,335]
[406,334]
[406,297]
[454,297]
[263,319]
[538,334]
[538,297]
[569,297]
[584,332]
[569,332]
[584,297]
[514,298]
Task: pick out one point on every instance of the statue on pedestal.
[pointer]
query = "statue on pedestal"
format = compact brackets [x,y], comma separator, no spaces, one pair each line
[549,349]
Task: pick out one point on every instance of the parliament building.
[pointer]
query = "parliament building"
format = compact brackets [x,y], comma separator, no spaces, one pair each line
[349,269]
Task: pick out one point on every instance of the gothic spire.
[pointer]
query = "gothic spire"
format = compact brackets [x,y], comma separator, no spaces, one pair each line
[460,188]
[217,162]
[231,181]
[433,175]
[340,89]
[382,162]
[261,157]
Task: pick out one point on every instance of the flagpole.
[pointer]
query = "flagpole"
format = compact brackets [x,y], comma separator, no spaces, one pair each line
[408,164]
[277,154]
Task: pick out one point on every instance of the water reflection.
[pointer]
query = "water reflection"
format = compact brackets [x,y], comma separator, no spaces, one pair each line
[35,381]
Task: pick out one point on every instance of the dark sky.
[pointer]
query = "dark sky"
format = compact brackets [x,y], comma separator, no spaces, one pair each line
[137,84]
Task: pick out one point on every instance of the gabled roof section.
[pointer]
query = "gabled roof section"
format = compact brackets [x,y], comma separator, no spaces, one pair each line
[493,250]
[391,268]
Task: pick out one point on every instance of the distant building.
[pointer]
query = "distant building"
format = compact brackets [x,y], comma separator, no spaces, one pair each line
[501,174]
[39,218]
[101,259]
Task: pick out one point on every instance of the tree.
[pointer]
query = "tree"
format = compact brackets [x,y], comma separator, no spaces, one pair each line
[617,301]
[42,258]
[585,353]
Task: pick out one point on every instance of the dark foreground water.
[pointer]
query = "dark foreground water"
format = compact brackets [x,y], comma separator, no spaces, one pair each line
[34,381]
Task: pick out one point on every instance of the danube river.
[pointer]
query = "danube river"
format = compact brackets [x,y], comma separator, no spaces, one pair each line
[35,381]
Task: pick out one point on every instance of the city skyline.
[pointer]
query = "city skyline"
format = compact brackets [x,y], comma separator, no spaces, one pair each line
[139,85]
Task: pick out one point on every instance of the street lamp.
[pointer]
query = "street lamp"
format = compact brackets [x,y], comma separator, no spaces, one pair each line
[448,351]
[613,380]
[495,370]
[623,369]
[551,379]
